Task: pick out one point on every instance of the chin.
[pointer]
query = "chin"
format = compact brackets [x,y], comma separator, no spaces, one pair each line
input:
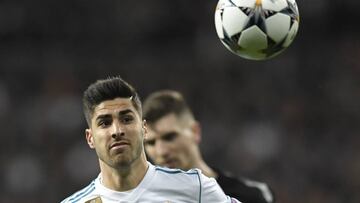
[121,161]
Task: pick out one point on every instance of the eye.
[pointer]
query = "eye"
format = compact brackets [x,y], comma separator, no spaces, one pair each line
[127,119]
[169,136]
[104,123]
[150,142]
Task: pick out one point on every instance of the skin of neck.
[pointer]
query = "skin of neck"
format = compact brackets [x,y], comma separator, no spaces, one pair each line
[201,164]
[197,159]
[124,178]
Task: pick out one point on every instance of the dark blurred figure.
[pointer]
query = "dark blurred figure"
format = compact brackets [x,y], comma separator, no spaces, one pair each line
[173,141]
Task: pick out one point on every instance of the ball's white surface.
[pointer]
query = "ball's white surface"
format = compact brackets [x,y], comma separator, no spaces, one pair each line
[256,29]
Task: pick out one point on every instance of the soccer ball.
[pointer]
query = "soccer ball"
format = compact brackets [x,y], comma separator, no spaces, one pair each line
[256,29]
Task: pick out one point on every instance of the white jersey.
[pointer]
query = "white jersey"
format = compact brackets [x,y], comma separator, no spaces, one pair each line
[158,185]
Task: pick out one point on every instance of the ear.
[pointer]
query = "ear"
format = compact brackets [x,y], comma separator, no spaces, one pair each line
[145,130]
[196,130]
[89,138]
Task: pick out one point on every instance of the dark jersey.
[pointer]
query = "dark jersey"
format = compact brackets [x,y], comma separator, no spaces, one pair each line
[245,190]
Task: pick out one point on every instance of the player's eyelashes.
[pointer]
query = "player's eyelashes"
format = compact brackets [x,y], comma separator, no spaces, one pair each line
[127,119]
[104,122]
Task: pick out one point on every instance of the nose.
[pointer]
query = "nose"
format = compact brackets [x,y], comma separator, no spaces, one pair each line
[117,130]
[161,149]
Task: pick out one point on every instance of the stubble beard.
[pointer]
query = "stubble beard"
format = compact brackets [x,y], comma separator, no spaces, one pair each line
[123,160]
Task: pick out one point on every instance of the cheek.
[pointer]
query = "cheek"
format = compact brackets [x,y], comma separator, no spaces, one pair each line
[150,152]
[99,138]
[185,146]
[134,130]
[179,146]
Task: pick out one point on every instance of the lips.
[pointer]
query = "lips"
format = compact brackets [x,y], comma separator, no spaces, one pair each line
[119,144]
[170,163]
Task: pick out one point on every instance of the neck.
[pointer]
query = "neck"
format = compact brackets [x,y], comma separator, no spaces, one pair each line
[124,178]
[200,164]
[205,169]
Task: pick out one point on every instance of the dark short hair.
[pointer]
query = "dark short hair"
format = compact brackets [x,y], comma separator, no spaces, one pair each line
[108,89]
[162,103]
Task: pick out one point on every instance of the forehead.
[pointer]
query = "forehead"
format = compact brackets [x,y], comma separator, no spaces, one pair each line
[166,124]
[113,106]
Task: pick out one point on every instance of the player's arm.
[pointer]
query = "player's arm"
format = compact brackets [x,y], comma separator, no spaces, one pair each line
[263,188]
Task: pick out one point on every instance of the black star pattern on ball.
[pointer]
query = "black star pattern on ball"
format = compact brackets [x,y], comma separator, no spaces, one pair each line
[291,11]
[257,16]
[273,47]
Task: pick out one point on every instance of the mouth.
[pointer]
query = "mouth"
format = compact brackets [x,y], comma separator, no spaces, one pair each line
[119,145]
[170,163]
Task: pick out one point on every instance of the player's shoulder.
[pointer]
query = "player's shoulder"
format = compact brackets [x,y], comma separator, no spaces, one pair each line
[177,177]
[177,174]
[192,184]
[166,170]
[245,189]
[81,194]
[266,192]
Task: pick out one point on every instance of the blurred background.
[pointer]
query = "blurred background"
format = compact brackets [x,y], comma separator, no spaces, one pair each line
[292,121]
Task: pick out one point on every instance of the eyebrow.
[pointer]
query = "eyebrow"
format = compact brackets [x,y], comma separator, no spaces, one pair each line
[104,116]
[123,112]
[126,111]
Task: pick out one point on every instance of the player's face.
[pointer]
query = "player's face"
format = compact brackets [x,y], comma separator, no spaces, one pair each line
[171,142]
[116,132]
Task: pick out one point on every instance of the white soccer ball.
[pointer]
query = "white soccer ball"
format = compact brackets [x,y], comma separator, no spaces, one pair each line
[256,29]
